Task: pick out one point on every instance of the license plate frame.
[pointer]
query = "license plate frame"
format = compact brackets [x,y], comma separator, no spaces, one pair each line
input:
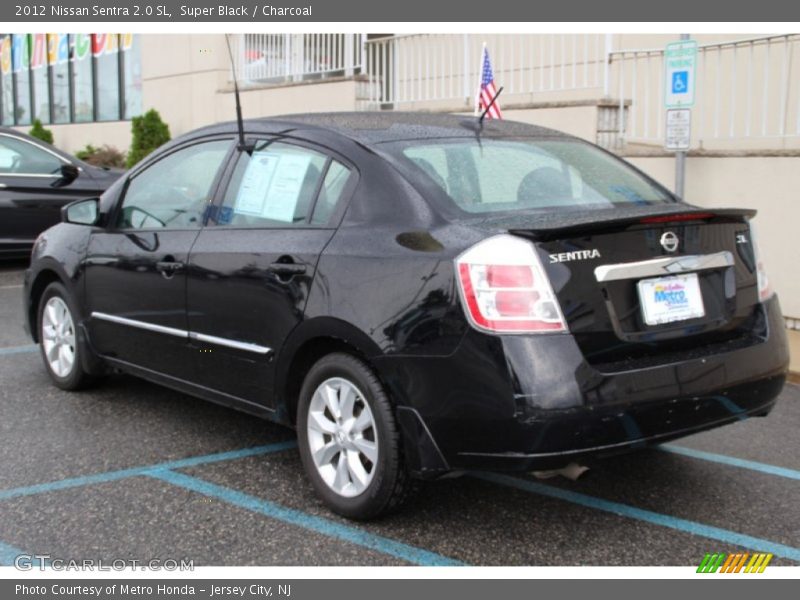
[670,299]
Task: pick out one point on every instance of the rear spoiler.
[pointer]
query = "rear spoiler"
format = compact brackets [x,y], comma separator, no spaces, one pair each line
[548,225]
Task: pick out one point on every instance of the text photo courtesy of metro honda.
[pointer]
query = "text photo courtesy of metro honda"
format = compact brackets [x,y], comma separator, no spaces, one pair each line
[417,294]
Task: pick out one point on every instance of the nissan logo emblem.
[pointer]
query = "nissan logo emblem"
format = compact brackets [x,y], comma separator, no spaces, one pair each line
[669,241]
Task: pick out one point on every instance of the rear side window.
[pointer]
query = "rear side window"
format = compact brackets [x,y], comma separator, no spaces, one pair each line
[331,192]
[519,174]
[282,185]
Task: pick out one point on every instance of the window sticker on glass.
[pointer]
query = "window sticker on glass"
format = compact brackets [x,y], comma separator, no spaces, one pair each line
[272,184]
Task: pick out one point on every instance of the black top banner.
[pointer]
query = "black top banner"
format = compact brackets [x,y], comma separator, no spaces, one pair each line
[474,11]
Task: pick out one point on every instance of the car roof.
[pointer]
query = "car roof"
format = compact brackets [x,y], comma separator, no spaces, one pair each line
[369,128]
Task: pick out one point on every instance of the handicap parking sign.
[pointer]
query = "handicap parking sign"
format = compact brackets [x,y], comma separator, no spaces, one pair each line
[680,71]
[680,82]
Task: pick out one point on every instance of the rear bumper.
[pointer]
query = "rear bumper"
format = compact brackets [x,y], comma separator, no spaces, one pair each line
[636,425]
[526,402]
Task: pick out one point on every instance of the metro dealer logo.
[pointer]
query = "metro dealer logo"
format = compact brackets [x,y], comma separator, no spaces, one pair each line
[743,562]
[671,294]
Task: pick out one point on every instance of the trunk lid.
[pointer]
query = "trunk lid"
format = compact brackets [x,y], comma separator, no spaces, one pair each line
[638,284]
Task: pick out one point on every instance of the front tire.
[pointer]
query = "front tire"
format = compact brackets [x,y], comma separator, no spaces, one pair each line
[349,440]
[58,337]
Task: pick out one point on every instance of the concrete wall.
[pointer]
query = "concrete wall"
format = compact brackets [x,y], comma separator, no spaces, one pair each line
[76,136]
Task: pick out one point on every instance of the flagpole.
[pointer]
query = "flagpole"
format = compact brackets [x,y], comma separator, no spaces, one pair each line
[480,78]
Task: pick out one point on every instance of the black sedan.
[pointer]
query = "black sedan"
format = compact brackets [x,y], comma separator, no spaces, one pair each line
[417,294]
[36,180]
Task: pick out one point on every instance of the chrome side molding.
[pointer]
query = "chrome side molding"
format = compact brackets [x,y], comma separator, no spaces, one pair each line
[182,333]
[140,324]
[218,341]
[668,265]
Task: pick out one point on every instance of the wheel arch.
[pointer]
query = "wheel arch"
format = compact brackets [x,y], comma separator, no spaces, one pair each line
[309,342]
[319,337]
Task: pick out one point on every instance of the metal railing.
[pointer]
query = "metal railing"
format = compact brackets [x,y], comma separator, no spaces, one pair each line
[406,69]
[279,58]
[745,89]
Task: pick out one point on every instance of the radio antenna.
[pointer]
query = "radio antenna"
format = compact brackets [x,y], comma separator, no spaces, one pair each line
[243,146]
[489,106]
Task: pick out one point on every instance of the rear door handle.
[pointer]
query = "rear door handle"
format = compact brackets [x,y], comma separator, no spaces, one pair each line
[287,268]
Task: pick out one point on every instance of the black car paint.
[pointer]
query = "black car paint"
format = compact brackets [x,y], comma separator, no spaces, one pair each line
[465,399]
[30,205]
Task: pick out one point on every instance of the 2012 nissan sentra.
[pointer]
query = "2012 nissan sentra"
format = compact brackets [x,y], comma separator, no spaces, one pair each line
[416,294]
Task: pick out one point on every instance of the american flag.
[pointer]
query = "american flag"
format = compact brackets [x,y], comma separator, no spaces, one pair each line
[487,90]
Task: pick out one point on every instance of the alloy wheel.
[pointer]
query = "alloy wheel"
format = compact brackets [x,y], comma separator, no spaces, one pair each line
[342,437]
[58,337]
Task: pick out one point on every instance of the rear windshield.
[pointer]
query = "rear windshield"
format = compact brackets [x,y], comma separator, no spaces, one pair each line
[523,174]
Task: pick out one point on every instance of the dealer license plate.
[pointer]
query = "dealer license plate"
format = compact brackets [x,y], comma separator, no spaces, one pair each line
[669,299]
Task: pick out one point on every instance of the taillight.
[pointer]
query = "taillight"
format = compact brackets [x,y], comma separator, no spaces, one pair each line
[505,288]
[764,287]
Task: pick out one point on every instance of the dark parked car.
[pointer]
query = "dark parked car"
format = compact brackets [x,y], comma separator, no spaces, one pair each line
[416,294]
[36,180]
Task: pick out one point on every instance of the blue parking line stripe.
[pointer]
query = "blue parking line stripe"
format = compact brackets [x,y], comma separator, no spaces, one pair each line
[8,554]
[19,349]
[298,518]
[144,470]
[631,512]
[732,461]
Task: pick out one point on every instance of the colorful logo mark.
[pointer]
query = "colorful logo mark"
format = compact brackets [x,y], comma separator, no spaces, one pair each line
[671,294]
[734,563]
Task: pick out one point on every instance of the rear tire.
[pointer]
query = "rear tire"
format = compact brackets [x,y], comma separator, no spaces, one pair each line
[349,441]
[61,350]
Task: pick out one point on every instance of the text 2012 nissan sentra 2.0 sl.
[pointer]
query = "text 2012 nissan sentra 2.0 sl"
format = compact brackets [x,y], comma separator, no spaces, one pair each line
[416,294]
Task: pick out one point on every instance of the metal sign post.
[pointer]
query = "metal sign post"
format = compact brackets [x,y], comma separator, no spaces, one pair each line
[680,61]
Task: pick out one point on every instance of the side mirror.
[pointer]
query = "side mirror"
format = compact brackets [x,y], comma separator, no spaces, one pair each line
[69,173]
[81,212]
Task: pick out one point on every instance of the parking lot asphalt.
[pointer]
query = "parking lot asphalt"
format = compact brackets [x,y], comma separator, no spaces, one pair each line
[130,470]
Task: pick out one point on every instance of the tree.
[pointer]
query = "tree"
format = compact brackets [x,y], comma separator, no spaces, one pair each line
[39,132]
[149,132]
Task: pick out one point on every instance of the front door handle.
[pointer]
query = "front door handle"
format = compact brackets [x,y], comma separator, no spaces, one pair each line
[168,268]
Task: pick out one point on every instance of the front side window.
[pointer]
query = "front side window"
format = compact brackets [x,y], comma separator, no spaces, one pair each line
[274,186]
[500,175]
[18,157]
[173,192]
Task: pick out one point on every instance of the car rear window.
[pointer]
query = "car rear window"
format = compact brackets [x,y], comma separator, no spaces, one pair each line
[494,175]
